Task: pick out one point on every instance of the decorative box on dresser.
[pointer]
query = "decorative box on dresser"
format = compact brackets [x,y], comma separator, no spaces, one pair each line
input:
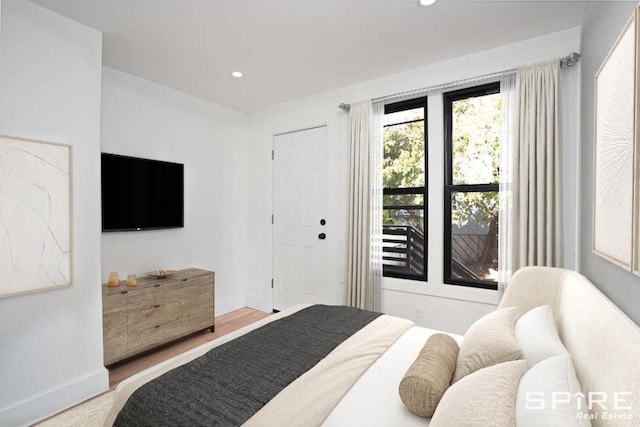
[155,312]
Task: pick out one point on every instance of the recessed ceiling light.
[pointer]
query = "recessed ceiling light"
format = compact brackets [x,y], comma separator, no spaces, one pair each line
[237,74]
[427,2]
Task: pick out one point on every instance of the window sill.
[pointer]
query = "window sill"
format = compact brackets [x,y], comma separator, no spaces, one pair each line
[441,290]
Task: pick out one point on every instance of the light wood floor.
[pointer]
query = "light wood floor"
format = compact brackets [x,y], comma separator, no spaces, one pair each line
[224,324]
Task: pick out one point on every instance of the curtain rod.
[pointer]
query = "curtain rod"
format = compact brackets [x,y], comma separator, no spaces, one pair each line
[567,61]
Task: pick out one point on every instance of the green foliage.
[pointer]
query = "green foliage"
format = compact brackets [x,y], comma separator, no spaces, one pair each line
[404,167]
[404,155]
[476,157]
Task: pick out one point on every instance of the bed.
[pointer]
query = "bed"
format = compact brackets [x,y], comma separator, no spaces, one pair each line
[356,383]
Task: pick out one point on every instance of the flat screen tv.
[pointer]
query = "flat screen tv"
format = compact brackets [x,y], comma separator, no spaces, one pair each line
[141,194]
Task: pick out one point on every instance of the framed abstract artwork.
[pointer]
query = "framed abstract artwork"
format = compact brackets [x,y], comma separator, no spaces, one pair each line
[35,216]
[615,142]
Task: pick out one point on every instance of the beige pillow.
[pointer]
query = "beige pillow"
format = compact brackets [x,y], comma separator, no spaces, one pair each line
[429,376]
[485,398]
[489,341]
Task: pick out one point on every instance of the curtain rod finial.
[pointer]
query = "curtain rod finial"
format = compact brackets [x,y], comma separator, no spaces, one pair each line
[345,107]
[572,59]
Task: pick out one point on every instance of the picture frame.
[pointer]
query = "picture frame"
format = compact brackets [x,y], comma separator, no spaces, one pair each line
[615,203]
[35,216]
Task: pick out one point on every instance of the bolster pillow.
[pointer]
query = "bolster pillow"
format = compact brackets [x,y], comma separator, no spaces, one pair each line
[430,375]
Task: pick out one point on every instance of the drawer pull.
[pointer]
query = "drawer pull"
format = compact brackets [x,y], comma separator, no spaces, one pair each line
[124,292]
[157,326]
[184,280]
[156,306]
[156,286]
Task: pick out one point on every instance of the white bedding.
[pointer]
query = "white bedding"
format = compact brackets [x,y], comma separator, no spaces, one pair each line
[374,399]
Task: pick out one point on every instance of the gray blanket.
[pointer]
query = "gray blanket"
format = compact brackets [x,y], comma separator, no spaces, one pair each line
[230,383]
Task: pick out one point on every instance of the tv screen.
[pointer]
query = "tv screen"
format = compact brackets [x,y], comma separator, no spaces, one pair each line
[141,194]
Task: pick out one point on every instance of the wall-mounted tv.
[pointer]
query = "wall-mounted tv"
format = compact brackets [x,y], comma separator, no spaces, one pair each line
[141,194]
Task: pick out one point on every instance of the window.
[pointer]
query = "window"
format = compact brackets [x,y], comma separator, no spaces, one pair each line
[404,194]
[471,198]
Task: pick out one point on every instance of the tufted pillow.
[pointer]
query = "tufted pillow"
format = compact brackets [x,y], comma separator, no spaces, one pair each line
[429,376]
[489,341]
[549,395]
[537,335]
[486,397]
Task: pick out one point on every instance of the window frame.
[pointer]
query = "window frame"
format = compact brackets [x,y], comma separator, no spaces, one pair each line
[450,188]
[409,104]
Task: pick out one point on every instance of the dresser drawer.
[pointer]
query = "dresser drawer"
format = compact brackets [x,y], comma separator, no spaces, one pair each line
[149,296]
[114,327]
[173,303]
[144,339]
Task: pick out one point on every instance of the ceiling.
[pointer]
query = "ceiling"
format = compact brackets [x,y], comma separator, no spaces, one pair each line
[288,49]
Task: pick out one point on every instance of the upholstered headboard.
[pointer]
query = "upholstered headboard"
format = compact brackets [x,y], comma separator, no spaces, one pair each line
[603,342]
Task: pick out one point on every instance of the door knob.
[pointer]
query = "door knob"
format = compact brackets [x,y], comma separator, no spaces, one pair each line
[322,236]
[323,221]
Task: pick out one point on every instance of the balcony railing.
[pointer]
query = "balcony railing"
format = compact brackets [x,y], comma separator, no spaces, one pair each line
[403,254]
[403,251]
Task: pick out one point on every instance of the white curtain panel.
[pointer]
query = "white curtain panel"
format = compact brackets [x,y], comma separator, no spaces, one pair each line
[505,219]
[377,155]
[536,174]
[364,225]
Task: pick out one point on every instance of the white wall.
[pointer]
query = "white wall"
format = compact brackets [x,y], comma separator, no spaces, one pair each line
[144,119]
[51,342]
[415,300]
[599,34]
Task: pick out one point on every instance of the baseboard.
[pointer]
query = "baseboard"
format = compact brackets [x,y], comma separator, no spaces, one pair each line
[227,305]
[46,404]
[259,304]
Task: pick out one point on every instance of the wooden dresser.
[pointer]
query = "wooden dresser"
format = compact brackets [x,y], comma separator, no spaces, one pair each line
[156,311]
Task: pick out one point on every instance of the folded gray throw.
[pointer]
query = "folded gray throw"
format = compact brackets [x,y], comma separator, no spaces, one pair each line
[230,383]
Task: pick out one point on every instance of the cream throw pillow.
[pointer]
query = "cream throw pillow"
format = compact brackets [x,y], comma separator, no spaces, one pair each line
[429,376]
[482,399]
[489,341]
[537,335]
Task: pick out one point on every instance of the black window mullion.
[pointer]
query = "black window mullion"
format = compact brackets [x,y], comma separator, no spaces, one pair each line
[403,123]
[447,234]
[403,190]
[477,188]
[409,104]
[406,207]
[448,145]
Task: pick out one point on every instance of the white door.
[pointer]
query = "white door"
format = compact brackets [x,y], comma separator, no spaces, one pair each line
[299,230]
